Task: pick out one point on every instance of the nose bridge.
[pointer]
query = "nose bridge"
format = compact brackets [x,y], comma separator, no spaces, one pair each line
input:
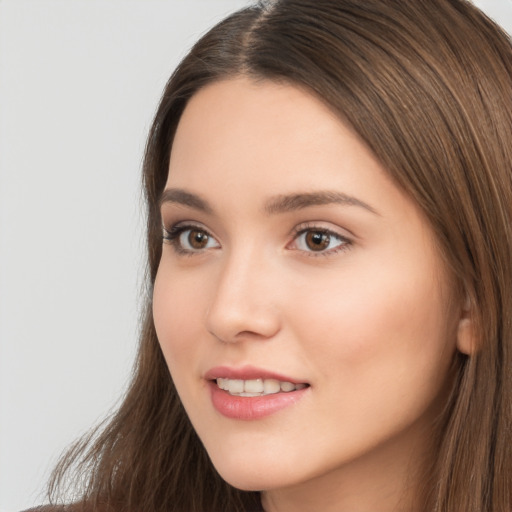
[243,303]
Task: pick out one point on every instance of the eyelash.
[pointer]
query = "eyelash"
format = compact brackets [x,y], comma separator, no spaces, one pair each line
[173,235]
[344,245]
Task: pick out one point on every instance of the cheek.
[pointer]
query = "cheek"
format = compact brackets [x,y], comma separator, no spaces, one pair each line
[176,312]
[378,326]
[380,348]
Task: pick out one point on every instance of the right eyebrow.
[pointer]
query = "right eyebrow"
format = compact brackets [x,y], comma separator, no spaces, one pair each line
[180,196]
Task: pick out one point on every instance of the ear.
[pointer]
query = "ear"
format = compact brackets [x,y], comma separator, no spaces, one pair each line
[466,339]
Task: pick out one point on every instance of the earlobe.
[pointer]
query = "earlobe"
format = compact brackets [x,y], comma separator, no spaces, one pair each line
[466,342]
[465,339]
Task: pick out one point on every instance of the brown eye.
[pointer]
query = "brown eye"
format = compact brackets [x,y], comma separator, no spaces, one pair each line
[192,239]
[197,239]
[317,240]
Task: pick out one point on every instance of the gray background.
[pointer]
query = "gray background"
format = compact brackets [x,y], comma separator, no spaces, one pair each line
[79,82]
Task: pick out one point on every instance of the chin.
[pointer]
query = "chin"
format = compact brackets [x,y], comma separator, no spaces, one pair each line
[257,471]
[252,480]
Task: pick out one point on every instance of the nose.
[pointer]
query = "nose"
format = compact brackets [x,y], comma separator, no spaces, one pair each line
[244,301]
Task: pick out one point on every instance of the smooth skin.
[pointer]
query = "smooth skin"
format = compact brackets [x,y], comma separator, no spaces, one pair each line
[350,296]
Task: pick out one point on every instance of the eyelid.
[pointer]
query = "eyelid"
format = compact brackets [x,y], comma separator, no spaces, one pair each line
[172,236]
[321,226]
[346,242]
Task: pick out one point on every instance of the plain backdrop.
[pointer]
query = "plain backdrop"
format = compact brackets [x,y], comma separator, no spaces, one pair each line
[79,83]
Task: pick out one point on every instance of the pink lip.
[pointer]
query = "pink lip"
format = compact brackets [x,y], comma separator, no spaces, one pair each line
[250,408]
[246,373]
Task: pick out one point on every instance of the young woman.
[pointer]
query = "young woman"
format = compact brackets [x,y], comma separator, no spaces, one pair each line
[329,228]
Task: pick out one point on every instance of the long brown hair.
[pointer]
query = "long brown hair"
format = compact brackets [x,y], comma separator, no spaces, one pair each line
[427,85]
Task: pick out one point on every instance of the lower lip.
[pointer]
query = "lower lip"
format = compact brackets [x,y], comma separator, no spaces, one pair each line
[252,408]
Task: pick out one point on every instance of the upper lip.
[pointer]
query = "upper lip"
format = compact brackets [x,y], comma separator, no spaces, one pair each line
[247,373]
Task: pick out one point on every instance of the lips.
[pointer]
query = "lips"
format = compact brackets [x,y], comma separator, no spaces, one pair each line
[246,373]
[257,387]
[250,393]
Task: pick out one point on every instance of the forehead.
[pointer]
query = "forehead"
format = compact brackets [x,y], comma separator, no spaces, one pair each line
[265,130]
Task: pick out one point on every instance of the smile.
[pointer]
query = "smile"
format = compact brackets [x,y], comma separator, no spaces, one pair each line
[251,393]
[256,387]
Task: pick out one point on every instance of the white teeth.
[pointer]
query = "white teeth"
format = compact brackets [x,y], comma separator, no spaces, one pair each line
[287,386]
[253,386]
[271,386]
[236,386]
[222,383]
[256,387]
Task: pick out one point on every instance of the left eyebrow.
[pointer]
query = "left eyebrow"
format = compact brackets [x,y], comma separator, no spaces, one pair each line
[294,202]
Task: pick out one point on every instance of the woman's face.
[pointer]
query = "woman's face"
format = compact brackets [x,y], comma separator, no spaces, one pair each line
[299,279]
